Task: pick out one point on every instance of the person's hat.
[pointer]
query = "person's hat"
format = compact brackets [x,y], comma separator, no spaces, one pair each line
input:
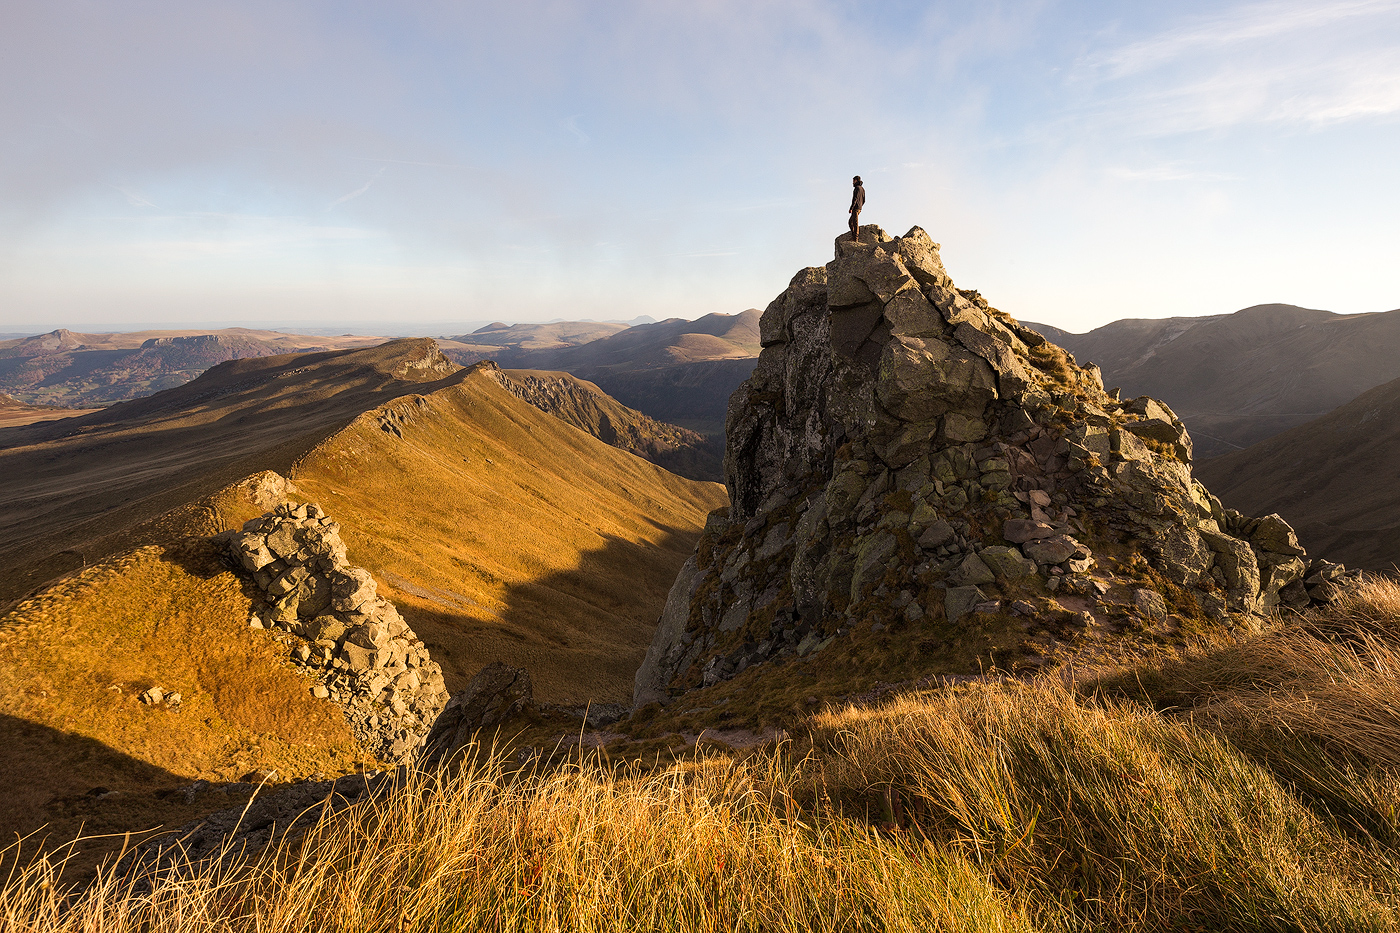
[856,179]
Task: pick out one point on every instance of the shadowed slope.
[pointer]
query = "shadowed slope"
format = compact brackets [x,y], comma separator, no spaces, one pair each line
[503,533]
[589,408]
[1336,479]
[1238,378]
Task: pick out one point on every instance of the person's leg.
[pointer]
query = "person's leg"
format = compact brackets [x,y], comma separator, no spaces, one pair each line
[855,226]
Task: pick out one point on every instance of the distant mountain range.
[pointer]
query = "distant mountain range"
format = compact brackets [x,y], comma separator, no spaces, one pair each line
[75,370]
[677,371]
[1236,379]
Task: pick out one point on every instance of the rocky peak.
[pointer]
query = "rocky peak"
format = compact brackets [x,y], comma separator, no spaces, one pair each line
[904,453]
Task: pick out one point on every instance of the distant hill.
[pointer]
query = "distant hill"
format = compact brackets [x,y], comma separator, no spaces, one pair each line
[587,407]
[1336,479]
[501,341]
[1236,379]
[678,371]
[89,370]
[13,412]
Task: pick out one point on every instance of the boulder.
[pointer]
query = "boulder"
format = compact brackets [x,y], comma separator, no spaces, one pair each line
[1022,530]
[1274,534]
[971,571]
[495,694]
[1007,562]
[1053,550]
[352,588]
[961,600]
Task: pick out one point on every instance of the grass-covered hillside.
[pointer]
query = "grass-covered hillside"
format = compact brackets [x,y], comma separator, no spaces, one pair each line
[498,530]
[1247,784]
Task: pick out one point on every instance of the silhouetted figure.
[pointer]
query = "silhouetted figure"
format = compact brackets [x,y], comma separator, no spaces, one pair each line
[857,202]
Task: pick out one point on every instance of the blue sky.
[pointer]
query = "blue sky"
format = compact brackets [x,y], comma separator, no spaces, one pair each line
[419,166]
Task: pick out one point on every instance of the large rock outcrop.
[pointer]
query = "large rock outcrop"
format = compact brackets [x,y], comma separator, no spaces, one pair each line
[360,652]
[905,451]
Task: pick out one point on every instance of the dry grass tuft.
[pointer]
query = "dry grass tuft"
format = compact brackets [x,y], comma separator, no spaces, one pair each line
[707,845]
[1242,786]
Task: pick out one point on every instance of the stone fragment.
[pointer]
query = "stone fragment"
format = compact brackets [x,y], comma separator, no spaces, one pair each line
[971,571]
[1007,563]
[961,600]
[352,588]
[1236,560]
[1053,550]
[1021,530]
[920,379]
[283,542]
[936,535]
[1276,535]
[872,553]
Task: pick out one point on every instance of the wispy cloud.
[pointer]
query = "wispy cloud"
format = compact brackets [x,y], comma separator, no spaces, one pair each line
[356,193]
[1167,171]
[1247,25]
[1303,64]
[134,197]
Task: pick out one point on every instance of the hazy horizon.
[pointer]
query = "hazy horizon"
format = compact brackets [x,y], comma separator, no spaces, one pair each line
[431,164]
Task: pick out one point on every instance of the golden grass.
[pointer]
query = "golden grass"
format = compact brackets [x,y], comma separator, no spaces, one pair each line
[74,660]
[504,534]
[699,846]
[1016,805]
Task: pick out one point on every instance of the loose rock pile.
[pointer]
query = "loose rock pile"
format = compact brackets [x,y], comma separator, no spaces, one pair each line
[361,652]
[904,451]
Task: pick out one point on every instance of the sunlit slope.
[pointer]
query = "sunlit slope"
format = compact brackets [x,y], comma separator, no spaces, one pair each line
[80,489]
[82,750]
[503,533]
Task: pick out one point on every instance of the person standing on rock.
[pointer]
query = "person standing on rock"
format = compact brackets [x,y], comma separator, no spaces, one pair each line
[857,202]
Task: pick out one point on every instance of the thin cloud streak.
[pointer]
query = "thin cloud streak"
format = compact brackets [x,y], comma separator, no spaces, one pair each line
[1250,24]
[356,193]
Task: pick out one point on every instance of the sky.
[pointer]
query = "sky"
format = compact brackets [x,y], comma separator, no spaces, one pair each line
[416,167]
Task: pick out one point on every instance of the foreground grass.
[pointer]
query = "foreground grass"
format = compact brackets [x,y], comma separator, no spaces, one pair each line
[1242,787]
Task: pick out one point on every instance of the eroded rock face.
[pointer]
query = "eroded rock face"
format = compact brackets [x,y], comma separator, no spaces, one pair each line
[363,655]
[903,446]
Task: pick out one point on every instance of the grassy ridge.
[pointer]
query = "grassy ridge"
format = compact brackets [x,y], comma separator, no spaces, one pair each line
[504,534]
[1219,790]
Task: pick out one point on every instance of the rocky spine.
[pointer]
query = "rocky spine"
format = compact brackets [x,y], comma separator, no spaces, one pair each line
[905,451]
[360,651]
